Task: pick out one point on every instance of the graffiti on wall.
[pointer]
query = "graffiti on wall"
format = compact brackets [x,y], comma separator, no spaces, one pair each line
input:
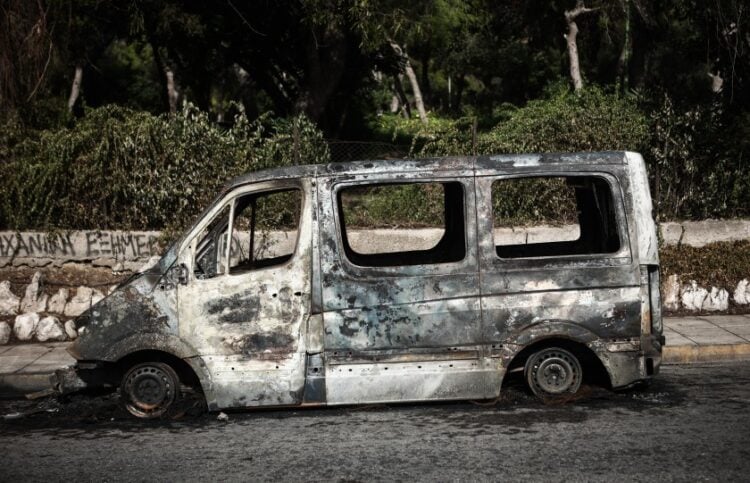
[79,245]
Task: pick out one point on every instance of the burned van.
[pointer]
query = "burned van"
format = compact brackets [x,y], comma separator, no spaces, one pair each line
[391,281]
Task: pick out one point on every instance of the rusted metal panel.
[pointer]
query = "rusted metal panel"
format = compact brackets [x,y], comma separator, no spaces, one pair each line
[404,315]
[319,329]
[599,292]
[405,306]
[648,244]
[140,313]
[413,381]
[249,327]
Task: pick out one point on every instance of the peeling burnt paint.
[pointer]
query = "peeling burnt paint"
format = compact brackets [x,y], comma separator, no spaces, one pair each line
[254,344]
[237,308]
[320,329]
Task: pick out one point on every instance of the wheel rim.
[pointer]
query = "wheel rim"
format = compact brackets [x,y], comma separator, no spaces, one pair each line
[149,391]
[555,371]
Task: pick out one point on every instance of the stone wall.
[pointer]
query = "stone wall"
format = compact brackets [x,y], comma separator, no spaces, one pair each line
[99,248]
[700,233]
[133,249]
[39,316]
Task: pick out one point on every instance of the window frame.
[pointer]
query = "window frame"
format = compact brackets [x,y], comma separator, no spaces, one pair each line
[465,265]
[622,256]
[293,255]
[189,246]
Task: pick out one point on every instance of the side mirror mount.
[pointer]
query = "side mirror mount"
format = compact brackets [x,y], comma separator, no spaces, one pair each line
[178,274]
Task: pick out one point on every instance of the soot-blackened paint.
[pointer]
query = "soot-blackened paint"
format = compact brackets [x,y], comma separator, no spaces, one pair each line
[237,309]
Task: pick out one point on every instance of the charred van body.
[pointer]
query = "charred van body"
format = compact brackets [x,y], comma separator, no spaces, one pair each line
[261,306]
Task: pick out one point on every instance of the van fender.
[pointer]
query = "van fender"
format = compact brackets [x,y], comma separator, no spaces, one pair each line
[613,362]
[168,343]
[548,329]
[158,341]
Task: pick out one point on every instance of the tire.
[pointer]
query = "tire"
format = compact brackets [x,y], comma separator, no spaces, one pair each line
[149,389]
[553,371]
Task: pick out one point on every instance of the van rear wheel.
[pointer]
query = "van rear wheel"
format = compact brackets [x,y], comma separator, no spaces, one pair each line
[553,372]
[149,389]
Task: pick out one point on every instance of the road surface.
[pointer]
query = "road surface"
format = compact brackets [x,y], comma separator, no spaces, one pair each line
[692,423]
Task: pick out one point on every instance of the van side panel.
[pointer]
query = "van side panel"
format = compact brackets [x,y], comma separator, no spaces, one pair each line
[648,244]
[591,299]
[401,333]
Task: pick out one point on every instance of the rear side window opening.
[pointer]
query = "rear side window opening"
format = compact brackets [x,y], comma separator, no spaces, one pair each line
[379,223]
[548,216]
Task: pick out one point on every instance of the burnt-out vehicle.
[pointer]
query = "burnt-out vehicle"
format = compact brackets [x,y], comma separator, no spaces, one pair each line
[294,287]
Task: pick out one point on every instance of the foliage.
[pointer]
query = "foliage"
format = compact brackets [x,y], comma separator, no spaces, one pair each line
[400,130]
[534,201]
[395,206]
[692,175]
[719,264]
[667,78]
[123,169]
[568,122]
[591,120]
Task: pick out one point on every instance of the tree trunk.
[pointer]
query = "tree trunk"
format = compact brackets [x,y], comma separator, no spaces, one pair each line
[412,76]
[460,85]
[418,102]
[75,88]
[172,93]
[570,18]
[624,61]
[394,104]
[399,88]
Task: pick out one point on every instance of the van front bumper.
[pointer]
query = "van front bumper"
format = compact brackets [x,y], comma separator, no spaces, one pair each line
[83,375]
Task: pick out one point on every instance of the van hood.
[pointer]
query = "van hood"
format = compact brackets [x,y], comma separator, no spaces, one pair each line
[139,307]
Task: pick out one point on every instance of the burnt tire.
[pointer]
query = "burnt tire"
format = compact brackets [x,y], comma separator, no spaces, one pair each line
[149,389]
[553,371]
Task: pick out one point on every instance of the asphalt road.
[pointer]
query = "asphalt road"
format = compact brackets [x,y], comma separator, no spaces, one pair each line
[692,423]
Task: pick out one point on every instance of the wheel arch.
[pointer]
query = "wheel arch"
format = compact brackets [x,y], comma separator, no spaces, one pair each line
[185,371]
[161,347]
[556,333]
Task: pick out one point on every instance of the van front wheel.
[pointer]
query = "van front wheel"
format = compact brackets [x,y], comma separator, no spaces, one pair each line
[149,389]
[553,372]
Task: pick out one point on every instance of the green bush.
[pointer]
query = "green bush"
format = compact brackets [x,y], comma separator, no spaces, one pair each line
[696,163]
[121,169]
[718,264]
[590,120]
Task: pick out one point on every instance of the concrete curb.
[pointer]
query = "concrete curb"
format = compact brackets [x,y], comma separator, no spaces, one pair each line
[687,354]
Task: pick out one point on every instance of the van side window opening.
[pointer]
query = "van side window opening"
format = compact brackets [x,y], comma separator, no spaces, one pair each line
[378,223]
[264,229]
[264,233]
[553,216]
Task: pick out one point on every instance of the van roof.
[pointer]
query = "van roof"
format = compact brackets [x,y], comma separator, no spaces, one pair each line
[450,163]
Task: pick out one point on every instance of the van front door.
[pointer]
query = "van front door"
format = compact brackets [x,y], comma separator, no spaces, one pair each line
[245,303]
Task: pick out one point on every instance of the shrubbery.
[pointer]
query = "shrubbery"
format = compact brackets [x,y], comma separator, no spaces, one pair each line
[591,120]
[690,178]
[121,169]
[116,168]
